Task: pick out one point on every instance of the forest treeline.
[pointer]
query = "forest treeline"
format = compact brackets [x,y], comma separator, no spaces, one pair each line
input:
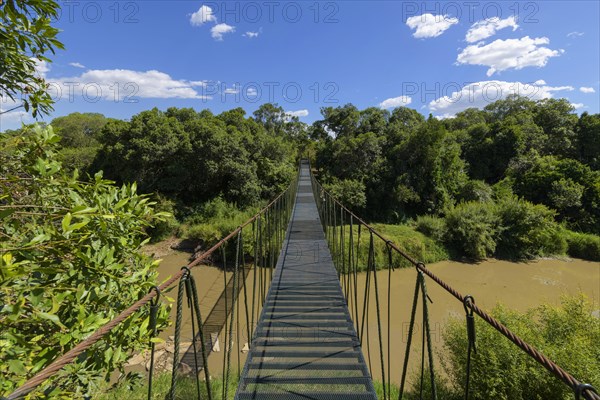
[514,180]
[518,179]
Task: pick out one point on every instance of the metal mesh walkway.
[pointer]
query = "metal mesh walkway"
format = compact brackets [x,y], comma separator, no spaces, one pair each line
[305,345]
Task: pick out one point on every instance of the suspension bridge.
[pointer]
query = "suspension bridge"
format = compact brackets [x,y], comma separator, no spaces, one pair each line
[310,328]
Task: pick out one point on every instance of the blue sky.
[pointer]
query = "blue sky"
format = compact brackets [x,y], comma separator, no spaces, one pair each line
[437,57]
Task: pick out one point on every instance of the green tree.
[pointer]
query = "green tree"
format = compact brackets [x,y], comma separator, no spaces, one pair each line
[341,121]
[588,140]
[566,185]
[558,121]
[472,229]
[70,261]
[79,139]
[26,37]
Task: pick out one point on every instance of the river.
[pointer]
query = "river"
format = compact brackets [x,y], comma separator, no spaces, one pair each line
[519,286]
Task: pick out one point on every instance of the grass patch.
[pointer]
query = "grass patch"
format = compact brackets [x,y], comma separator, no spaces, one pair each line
[186,389]
[415,244]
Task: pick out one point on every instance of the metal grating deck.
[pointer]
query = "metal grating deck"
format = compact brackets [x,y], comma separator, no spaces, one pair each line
[305,345]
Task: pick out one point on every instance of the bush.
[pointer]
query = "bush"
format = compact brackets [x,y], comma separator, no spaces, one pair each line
[431,226]
[475,190]
[168,225]
[583,245]
[349,192]
[472,229]
[569,335]
[527,230]
[413,243]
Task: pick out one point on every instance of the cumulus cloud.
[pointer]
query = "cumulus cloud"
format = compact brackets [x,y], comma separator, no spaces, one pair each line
[574,34]
[501,55]
[202,16]
[120,84]
[577,106]
[299,113]
[219,30]
[585,89]
[396,102]
[429,25]
[488,27]
[77,65]
[251,35]
[251,92]
[479,94]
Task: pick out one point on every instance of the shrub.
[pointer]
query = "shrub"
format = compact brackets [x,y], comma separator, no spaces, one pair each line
[583,245]
[167,226]
[475,190]
[527,230]
[472,229]
[433,227]
[569,335]
[349,192]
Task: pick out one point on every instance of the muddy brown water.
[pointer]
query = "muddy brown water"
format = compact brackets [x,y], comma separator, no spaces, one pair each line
[519,286]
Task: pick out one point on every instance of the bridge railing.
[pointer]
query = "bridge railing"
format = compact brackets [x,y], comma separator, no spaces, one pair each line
[253,249]
[353,244]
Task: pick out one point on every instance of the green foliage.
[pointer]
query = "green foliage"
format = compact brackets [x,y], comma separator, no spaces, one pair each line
[473,229]
[194,157]
[413,243]
[474,190]
[70,262]
[26,37]
[349,192]
[538,150]
[433,227]
[588,140]
[167,226]
[527,230]
[568,335]
[566,185]
[214,220]
[583,245]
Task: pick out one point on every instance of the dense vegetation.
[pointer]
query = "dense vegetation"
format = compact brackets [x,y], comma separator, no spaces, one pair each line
[70,262]
[513,180]
[567,334]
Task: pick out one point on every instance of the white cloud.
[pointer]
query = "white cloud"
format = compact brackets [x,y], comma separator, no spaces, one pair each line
[577,105]
[119,84]
[77,65]
[396,102]
[429,25]
[587,89]
[484,29]
[202,16]
[251,35]
[479,94]
[251,92]
[233,90]
[41,67]
[574,34]
[219,30]
[299,113]
[501,55]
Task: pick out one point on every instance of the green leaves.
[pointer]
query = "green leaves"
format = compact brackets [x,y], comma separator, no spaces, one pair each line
[69,263]
[25,39]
